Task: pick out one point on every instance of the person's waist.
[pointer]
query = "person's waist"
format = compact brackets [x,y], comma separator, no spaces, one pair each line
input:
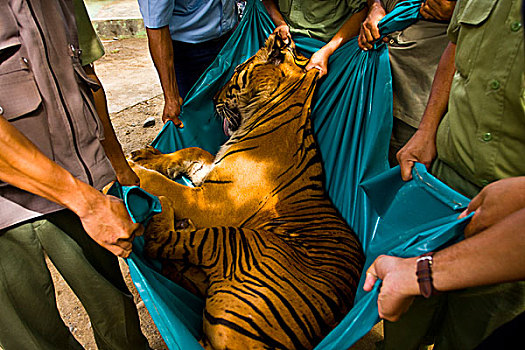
[222,38]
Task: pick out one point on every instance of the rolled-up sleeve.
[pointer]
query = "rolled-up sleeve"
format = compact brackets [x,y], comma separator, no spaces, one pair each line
[156,13]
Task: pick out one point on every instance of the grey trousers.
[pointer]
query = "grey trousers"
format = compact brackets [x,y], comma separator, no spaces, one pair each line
[29,318]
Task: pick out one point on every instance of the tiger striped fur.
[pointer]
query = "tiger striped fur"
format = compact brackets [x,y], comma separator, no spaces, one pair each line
[264,245]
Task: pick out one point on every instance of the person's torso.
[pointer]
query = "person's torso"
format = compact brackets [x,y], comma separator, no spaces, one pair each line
[46,95]
[414,55]
[319,19]
[197,21]
[482,136]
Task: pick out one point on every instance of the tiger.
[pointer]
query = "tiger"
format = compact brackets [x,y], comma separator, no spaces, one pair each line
[257,236]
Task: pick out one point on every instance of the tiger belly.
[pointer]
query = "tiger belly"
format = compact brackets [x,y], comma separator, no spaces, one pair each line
[263,293]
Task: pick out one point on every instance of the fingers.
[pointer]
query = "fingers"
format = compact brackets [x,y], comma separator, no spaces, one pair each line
[284,33]
[476,224]
[322,71]
[463,214]
[476,202]
[123,247]
[406,168]
[362,41]
[370,280]
[176,121]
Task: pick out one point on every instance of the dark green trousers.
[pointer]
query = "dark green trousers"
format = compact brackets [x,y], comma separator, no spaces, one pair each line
[456,320]
[29,318]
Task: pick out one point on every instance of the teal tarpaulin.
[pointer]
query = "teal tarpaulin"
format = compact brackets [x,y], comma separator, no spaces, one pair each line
[352,115]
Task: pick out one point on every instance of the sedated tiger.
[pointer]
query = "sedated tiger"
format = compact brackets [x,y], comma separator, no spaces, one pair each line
[264,245]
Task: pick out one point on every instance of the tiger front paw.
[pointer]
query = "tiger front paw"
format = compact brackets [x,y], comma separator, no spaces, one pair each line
[146,157]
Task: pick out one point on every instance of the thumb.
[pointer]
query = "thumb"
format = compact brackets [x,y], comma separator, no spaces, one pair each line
[463,214]
[371,278]
[406,169]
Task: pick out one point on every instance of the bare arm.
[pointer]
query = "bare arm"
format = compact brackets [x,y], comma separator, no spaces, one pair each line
[422,146]
[161,50]
[112,147]
[495,255]
[348,30]
[369,31]
[104,218]
[281,27]
[440,10]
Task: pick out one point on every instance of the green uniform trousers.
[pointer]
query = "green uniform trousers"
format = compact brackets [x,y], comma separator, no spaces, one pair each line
[456,320]
[29,317]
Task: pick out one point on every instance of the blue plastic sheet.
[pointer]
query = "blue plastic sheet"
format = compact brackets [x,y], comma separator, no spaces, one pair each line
[352,113]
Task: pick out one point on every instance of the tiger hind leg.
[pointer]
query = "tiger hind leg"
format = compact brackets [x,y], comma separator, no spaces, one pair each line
[193,162]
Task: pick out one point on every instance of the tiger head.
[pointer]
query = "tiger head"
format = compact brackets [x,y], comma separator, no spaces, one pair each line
[254,81]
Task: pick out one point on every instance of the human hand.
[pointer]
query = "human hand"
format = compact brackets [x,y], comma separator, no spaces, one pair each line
[171,111]
[319,60]
[420,148]
[369,31]
[440,10]
[107,221]
[284,32]
[398,288]
[494,203]
[126,176]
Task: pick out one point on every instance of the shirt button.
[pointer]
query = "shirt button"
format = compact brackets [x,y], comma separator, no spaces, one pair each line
[515,26]
[1,110]
[494,84]
[487,137]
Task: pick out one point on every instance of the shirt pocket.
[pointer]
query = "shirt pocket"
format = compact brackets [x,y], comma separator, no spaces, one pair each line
[471,18]
[319,10]
[19,94]
[86,86]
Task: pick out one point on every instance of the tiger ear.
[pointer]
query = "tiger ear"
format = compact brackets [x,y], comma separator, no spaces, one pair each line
[274,47]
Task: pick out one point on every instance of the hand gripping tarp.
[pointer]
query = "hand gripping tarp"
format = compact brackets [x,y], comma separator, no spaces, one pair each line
[352,114]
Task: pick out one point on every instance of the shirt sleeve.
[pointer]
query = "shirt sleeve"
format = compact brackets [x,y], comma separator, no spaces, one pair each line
[453,27]
[356,5]
[88,41]
[156,13]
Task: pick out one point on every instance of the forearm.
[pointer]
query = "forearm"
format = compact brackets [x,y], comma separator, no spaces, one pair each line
[161,50]
[24,166]
[374,3]
[111,144]
[274,12]
[439,94]
[495,255]
[347,31]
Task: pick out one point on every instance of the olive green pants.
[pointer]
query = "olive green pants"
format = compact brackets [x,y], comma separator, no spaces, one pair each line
[401,133]
[29,317]
[456,320]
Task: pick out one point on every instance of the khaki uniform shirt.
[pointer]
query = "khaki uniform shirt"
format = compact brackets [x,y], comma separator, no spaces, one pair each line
[46,95]
[318,19]
[482,136]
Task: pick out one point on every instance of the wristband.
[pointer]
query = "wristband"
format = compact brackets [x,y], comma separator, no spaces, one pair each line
[424,275]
